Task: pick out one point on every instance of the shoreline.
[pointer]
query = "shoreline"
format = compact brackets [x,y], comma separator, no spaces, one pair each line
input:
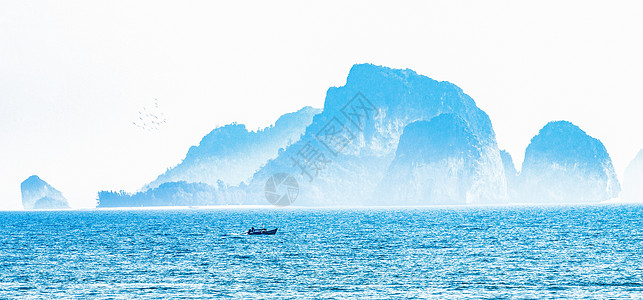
[614,201]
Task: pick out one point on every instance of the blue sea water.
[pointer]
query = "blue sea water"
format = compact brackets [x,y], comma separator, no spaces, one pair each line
[490,252]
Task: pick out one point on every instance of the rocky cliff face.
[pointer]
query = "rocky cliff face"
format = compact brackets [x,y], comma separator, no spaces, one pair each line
[633,180]
[346,151]
[442,162]
[565,165]
[37,194]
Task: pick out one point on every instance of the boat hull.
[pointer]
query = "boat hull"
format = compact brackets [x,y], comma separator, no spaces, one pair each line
[262,232]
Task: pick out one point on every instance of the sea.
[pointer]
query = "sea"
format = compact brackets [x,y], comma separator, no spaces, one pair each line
[516,252]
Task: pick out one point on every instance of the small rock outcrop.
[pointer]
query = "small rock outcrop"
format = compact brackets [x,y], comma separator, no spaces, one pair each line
[510,174]
[37,194]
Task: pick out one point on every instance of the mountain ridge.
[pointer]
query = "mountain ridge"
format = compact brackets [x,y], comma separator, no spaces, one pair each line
[351,152]
[232,154]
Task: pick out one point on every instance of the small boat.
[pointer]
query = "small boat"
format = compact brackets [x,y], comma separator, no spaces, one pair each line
[253,231]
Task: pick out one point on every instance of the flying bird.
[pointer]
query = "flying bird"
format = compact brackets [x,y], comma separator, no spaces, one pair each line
[150,118]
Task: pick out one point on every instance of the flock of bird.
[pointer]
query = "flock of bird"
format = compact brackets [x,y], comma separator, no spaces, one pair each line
[150,119]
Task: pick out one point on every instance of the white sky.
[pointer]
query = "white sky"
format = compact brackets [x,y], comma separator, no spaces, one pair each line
[74,74]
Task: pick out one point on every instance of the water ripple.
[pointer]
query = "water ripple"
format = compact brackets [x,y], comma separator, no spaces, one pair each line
[523,252]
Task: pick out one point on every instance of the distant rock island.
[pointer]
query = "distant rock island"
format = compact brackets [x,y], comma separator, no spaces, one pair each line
[565,165]
[633,180]
[37,194]
[386,137]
